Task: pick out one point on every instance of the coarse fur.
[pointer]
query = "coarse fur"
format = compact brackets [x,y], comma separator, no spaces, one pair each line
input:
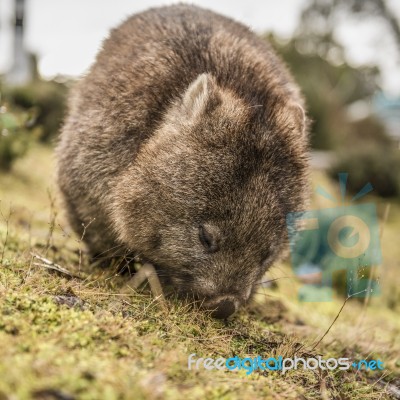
[186,144]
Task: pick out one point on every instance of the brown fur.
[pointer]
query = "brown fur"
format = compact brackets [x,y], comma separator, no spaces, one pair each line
[186,145]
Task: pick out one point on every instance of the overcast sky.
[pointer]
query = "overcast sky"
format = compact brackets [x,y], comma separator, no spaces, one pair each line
[66,34]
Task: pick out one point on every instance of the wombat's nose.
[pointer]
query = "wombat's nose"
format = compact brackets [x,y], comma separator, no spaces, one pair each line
[224,309]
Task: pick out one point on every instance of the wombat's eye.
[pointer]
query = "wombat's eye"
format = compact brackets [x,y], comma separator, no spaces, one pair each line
[208,240]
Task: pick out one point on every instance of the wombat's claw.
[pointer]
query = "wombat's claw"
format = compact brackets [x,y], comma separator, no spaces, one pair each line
[147,271]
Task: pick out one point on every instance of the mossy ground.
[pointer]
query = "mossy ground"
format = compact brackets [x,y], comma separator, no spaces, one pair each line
[63,337]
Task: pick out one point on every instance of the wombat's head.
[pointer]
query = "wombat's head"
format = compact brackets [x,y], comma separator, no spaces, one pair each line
[207,197]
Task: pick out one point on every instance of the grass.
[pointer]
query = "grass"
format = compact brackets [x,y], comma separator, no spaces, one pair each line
[70,338]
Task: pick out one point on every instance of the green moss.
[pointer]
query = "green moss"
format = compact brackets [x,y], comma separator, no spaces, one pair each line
[79,337]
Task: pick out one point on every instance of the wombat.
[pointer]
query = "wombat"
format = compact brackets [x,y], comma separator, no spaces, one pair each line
[186,145]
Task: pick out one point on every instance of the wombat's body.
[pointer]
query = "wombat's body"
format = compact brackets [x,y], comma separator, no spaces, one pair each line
[185,144]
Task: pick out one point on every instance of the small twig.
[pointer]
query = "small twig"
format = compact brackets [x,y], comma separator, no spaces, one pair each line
[52,224]
[81,240]
[80,247]
[7,221]
[337,316]
[53,266]
[2,288]
[371,272]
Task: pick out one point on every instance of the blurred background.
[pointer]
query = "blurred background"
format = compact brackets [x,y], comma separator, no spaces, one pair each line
[345,55]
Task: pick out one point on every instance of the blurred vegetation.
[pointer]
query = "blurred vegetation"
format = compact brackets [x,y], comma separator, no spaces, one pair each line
[14,138]
[320,17]
[329,89]
[379,165]
[31,112]
[44,102]
[339,96]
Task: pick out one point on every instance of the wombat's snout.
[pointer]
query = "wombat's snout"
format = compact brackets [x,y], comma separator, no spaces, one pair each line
[221,307]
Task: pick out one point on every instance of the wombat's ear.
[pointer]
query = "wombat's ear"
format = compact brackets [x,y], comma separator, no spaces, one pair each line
[198,94]
[298,116]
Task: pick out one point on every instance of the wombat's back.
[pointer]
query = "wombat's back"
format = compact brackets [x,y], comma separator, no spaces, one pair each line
[146,64]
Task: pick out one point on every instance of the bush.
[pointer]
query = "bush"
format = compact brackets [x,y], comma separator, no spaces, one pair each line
[14,139]
[377,164]
[44,101]
[368,130]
